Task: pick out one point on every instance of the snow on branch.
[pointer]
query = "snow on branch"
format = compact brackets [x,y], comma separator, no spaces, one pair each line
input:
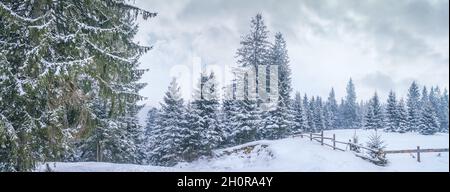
[97,29]
[14,14]
[104,52]
[145,14]
[9,128]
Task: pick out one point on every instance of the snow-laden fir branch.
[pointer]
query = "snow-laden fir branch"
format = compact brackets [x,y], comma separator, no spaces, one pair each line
[25,19]
[104,52]
[9,128]
[99,29]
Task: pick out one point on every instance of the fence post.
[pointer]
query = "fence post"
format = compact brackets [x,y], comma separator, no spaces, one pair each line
[334,141]
[310,136]
[418,154]
[321,138]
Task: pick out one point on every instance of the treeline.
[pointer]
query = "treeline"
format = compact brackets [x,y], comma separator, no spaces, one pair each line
[69,82]
[183,131]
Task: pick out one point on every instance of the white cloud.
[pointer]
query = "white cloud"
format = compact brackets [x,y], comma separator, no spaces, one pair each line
[328,41]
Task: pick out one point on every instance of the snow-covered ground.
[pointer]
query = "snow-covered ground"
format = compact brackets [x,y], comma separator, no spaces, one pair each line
[298,155]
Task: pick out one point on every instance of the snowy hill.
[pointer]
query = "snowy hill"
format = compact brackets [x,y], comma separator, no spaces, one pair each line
[298,155]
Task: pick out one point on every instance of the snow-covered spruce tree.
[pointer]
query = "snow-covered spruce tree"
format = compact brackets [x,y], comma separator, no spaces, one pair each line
[425,98]
[228,114]
[318,113]
[310,113]
[429,123]
[392,116]
[255,48]
[108,141]
[170,135]
[247,121]
[413,104]
[377,145]
[402,117]
[300,122]
[55,51]
[278,121]
[444,112]
[374,118]
[150,125]
[349,109]
[438,103]
[206,105]
[279,57]
[331,113]
[150,120]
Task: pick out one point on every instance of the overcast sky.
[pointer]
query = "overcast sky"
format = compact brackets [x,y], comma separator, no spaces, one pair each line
[381,44]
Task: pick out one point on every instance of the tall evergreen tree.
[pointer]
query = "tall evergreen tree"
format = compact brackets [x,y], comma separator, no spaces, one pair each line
[413,103]
[332,110]
[318,113]
[150,126]
[311,115]
[425,97]
[392,116]
[300,117]
[280,58]
[429,123]
[255,48]
[206,105]
[374,117]
[349,113]
[308,114]
[278,121]
[56,54]
[444,112]
[402,117]
[169,135]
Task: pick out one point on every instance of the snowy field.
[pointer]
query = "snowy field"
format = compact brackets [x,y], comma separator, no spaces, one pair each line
[297,155]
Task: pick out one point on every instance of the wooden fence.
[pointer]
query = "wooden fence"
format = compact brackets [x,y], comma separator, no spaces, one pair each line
[417,151]
[319,137]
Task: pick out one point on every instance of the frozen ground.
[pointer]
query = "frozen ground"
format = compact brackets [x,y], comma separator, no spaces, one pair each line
[297,155]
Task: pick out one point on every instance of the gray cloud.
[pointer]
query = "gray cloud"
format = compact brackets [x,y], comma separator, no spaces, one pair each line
[378,81]
[379,42]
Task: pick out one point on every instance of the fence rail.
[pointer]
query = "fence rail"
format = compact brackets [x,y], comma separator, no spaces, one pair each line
[319,137]
[418,151]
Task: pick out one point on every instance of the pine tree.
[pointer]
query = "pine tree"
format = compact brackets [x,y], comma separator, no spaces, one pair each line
[429,123]
[55,58]
[425,97]
[255,48]
[228,115]
[444,112]
[280,58]
[392,116]
[169,136]
[413,103]
[278,122]
[300,119]
[150,120]
[206,105]
[402,117]
[308,114]
[349,113]
[311,115]
[332,111]
[377,145]
[436,101]
[374,117]
[319,119]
